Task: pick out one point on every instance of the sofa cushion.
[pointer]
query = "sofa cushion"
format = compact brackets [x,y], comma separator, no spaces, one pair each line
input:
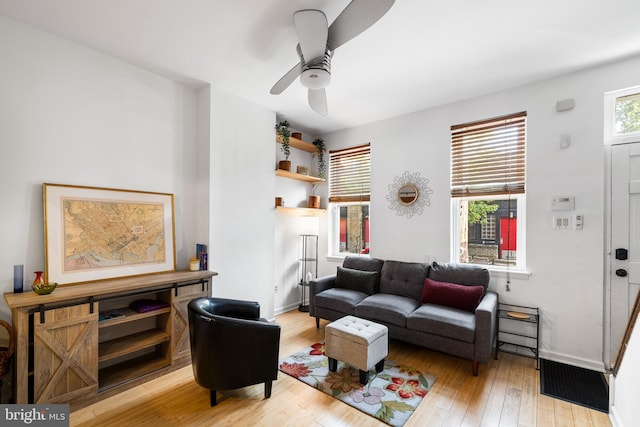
[339,299]
[363,281]
[403,278]
[453,295]
[443,321]
[386,308]
[363,263]
[463,274]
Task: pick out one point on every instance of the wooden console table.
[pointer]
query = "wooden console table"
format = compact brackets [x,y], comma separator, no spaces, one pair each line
[65,353]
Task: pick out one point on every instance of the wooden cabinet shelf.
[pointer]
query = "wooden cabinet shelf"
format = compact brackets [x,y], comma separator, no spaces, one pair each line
[130,344]
[130,315]
[299,144]
[108,356]
[131,370]
[299,177]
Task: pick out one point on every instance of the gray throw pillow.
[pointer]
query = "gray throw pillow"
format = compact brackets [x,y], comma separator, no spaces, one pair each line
[357,280]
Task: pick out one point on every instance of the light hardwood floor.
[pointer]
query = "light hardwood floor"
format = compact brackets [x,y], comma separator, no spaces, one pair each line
[505,393]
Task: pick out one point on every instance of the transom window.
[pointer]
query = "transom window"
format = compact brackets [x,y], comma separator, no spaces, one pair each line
[622,116]
[627,114]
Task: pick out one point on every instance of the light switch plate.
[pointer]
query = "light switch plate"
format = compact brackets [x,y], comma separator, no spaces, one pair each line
[561,222]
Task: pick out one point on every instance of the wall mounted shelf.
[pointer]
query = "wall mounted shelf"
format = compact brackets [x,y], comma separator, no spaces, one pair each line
[298,176]
[301,211]
[299,144]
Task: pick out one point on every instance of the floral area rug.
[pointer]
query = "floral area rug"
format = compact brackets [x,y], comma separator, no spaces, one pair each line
[390,396]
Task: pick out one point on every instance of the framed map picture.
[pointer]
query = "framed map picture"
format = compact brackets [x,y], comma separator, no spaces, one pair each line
[100,233]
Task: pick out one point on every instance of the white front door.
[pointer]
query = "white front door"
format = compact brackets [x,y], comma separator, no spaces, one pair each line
[624,262]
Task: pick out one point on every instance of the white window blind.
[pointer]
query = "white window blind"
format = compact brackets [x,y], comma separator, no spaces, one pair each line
[350,174]
[488,157]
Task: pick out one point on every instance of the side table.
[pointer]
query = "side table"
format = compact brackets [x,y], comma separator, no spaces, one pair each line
[518,331]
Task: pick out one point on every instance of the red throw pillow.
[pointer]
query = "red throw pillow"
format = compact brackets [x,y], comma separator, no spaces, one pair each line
[451,294]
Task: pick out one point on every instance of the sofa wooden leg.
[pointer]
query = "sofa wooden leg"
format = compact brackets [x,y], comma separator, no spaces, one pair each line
[267,389]
[213,397]
[317,323]
[474,367]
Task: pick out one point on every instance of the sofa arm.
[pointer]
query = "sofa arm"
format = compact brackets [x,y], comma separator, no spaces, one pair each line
[318,285]
[486,318]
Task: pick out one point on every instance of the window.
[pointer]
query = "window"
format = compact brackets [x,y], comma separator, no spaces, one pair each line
[622,116]
[487,190]
[488,228]
[349,196]
[627,114]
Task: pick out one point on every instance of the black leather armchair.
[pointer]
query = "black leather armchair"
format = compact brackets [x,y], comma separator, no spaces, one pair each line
[231,346]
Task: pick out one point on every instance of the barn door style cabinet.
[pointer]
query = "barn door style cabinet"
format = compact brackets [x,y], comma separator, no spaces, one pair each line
[84,342]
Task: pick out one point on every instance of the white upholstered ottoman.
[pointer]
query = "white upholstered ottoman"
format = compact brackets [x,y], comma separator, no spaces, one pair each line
[358,342]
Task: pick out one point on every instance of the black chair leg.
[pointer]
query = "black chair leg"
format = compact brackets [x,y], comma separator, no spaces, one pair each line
[213,398]
[267,389]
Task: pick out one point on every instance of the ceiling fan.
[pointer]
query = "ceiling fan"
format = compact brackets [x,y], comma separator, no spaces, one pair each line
[318,40]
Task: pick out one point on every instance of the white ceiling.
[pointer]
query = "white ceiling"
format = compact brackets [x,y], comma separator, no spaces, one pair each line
[420,54]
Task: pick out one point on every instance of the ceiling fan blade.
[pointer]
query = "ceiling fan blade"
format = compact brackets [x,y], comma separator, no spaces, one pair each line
[318,101]
[286,80]
[355,18]
[312,30]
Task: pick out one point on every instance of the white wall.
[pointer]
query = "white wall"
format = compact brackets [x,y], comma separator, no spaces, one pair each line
[566,266]
[70,115]
[623,388]
[242,214]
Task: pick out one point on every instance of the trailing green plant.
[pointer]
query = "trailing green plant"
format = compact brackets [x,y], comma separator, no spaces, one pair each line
[479,209]
[283,129]
[322,165]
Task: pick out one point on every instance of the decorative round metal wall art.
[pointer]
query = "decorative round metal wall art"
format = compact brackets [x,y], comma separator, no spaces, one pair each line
[409,194]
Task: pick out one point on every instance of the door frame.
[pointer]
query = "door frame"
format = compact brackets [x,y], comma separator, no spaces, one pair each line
[610,139]
[607,356]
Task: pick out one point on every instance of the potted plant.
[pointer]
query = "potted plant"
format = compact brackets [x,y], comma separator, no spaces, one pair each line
[322,165]
[283,129]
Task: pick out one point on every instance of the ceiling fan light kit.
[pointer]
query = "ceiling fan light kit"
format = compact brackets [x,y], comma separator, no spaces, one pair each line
[315,78]
[316,75]
[317,42]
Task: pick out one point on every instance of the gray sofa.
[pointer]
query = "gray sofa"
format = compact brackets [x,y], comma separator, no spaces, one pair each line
[420,303]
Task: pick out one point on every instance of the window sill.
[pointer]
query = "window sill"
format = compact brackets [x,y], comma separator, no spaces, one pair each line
[340,258]
[513,274]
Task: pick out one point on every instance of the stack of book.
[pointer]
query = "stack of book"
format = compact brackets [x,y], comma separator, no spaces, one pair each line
[109,314]
[201,254]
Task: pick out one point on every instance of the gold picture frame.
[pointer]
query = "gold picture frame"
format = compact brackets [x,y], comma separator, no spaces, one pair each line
[94,233]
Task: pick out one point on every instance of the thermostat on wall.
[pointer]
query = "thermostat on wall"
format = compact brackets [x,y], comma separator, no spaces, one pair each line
[563,203]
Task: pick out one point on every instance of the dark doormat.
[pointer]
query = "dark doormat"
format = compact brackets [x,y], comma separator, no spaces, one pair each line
[573,384]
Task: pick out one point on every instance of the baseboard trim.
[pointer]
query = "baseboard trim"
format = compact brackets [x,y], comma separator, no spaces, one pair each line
[594,365]
[280,310]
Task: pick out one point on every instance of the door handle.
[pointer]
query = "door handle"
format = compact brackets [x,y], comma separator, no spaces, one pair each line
[621,272]
[622,254]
